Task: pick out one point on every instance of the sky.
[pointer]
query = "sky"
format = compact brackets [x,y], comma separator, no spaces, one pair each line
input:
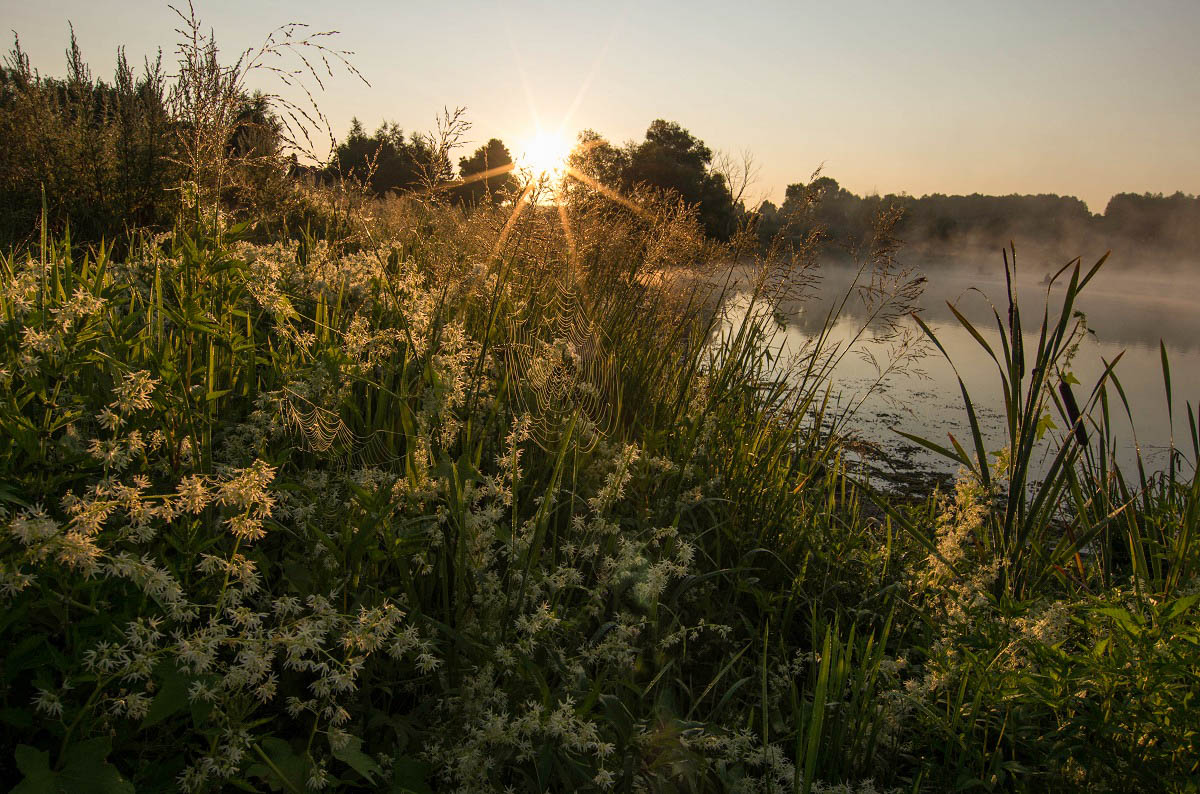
[1076,98]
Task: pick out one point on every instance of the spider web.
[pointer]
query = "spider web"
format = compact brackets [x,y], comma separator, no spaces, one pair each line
[324,432]
[321,429]
[561,369]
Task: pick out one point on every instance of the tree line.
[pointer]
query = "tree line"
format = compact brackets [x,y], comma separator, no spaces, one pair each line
[106,155]
[96,152]
[102,156]
[945,228]
[669,158]
[99,158]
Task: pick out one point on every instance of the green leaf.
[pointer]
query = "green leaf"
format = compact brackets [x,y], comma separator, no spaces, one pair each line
[282,769]
[35,765]
[1127,621]
[1046,422]
[359,761]
[85,771]
[409,776]
[172,697]
[12,497]
[1180,605]
[1166,371]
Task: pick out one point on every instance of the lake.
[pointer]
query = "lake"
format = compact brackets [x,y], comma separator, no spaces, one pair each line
[1125,310]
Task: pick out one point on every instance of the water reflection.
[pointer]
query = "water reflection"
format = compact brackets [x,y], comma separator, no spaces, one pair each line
[1124,311]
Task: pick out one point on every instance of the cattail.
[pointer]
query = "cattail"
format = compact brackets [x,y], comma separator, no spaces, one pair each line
[1064,390]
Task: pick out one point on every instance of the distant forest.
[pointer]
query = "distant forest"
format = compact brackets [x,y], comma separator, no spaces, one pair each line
[1140,229]
[105,156]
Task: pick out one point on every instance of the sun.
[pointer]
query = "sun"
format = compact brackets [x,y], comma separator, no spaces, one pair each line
[544,157]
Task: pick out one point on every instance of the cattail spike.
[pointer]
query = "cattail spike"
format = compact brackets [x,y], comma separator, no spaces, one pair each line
[1068,398]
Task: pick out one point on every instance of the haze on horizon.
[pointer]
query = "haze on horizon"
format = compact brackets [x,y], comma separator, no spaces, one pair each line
[1074,98]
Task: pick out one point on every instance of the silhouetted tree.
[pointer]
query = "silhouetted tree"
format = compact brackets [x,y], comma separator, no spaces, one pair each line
[491,165]
[257,130]
[940,226]
[386,160]
[595,157]
[673,159]
[768,223]
[670,158]
[101,151]
[1154,218]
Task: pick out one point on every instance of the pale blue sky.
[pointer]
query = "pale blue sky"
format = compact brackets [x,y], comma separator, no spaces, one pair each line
[1080,98]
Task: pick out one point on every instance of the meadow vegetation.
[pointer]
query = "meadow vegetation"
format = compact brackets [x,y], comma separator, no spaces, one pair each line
[303,489]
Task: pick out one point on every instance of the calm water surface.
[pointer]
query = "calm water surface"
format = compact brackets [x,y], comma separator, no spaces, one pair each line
[1126,311]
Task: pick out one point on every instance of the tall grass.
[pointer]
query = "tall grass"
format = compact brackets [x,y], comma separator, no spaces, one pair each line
[189,429]
[1042,584]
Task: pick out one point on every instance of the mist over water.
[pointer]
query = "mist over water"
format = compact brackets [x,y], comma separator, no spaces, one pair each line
[1127,309]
